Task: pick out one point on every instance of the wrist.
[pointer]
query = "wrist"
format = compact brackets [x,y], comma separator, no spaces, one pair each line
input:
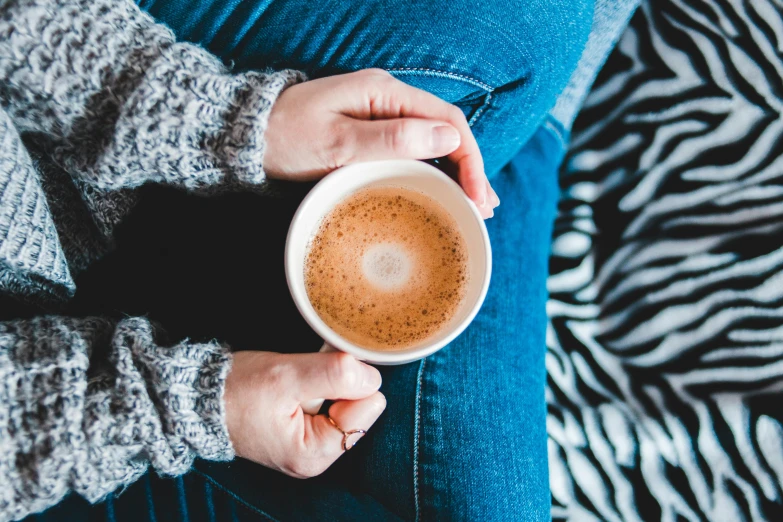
[256,128]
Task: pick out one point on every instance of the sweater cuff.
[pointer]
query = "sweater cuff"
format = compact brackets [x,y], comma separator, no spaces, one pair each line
[245,145]
[186,382]
[210,406]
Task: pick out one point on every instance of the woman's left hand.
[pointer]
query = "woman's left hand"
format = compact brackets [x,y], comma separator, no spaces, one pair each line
[263,397]
[320,125]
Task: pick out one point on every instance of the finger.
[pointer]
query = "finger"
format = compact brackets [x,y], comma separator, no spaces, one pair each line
[362,414]
[326,441]
[402,138]
[470,164]
[493,196]
[490,213]
[392,98]
[333,376]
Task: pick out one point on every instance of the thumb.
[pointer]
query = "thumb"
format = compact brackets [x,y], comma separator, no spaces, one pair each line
[402,138]
[335,375]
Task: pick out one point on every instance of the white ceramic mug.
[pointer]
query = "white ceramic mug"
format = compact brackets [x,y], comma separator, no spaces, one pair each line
[413,175]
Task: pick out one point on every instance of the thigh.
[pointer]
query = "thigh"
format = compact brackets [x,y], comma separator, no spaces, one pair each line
[480,450]
[503,63]
[464,434]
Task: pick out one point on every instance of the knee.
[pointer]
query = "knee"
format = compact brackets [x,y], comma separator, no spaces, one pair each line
[517,57]
[550,43]
[490,48]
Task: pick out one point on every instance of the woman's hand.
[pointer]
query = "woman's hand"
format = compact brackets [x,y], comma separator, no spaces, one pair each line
[320,125]
[266,424]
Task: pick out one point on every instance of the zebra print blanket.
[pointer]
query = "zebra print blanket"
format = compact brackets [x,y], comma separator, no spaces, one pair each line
[665,342]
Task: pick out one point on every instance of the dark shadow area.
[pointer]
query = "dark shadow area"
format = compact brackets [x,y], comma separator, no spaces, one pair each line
[203,268]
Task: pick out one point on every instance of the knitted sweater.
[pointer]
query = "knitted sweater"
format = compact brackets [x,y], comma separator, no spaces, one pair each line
[99,90]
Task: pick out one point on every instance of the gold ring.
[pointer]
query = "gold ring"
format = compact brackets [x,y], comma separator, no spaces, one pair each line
[346,434]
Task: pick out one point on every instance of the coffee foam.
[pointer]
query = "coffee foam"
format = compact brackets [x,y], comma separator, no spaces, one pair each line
[387,268]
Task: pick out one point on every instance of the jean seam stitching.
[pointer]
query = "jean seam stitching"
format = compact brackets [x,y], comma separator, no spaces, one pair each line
[453,76]
[555,129]
[446,74]
[236,497]
[416,439]
[480,111]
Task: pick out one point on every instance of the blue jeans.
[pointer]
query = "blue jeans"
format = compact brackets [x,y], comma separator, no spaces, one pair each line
[464,435]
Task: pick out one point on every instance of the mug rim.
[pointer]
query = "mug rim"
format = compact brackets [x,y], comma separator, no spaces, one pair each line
[320,327]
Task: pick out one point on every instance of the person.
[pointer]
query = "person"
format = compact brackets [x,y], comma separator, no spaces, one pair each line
[105,112]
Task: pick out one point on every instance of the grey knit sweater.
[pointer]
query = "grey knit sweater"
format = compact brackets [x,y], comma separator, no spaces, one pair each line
[107,95]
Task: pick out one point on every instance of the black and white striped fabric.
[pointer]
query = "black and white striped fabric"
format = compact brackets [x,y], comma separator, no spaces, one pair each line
[665,360]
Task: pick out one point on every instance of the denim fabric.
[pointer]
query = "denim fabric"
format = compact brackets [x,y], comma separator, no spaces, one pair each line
[503,62]
[464,435]
[609,20]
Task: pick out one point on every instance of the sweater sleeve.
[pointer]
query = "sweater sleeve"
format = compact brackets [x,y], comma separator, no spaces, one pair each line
[120,103]
[87,405]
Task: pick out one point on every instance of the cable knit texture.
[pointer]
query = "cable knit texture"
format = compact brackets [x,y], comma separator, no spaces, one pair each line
[74,419]
[122,104]
[95,100]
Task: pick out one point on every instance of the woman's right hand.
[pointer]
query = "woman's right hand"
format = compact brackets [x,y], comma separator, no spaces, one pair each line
[320,125]
[263,397]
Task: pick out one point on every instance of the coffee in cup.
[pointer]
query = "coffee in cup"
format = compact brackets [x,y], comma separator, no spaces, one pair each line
[418,180]
[387,268]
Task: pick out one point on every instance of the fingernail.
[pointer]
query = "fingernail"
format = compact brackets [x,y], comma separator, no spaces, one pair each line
[495,198]
[445,139]
[372,378]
